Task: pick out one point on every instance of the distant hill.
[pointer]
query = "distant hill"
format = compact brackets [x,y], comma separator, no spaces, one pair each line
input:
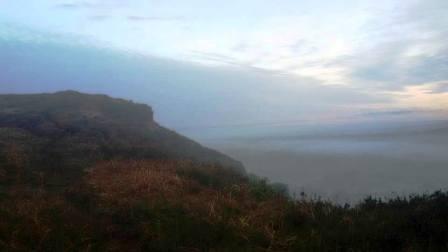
[68,131]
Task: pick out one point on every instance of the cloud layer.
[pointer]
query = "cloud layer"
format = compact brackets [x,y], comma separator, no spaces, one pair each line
[183,94]
[380,45]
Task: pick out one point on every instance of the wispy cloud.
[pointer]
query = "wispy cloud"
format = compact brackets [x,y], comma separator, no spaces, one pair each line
[227,60]
[405,47]
[422,96]
[136,18]
[90,4]
[394,112]
[76,5]
[441,87]
[99,17]
[386,46]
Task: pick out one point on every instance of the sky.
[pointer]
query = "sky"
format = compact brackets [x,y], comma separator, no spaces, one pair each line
[228,63]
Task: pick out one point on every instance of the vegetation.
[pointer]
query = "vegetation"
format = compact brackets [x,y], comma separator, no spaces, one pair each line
[181,206]
[61,134]
[70,184]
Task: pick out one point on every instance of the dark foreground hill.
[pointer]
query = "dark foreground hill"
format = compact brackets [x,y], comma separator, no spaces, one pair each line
[68,131]
[91,173]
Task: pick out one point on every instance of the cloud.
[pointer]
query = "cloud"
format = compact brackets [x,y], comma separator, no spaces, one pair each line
[99,17]
[223,59]
[136,18]
[76,5]
[385,46]
[183,94]
[414,50]
[438,87]
[441,87]
[391,113]
[398,64]
[240,47]
[423,96]
[93,5]
[284,63]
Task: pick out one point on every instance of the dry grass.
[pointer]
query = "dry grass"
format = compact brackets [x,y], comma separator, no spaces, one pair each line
[181,206]
[123,184]
[38,219]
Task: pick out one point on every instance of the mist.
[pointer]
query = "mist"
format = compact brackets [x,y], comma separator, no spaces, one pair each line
[348,161]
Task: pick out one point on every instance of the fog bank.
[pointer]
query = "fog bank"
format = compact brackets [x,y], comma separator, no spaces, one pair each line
[346,167]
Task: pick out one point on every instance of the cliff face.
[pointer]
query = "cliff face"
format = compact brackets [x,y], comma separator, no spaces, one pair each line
[69,131]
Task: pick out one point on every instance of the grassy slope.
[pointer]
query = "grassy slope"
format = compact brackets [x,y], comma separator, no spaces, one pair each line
[180,206]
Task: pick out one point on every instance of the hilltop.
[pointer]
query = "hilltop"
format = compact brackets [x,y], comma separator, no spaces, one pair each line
[65,132]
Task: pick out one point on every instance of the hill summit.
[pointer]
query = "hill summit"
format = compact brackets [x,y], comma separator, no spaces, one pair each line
[71,131]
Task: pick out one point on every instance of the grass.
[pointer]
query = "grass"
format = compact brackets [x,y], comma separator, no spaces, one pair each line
[164,205]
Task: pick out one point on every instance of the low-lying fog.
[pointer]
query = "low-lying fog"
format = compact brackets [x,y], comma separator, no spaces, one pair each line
[348,161]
